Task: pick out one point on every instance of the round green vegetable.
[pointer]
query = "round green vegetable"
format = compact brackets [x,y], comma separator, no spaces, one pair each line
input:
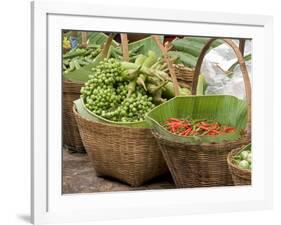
[249,157]
[244,164]
[244,154]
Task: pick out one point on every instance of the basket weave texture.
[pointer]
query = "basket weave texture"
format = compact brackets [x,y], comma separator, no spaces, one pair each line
[71,136]
[203,165]
[239,176]
[128,154]
[184,74]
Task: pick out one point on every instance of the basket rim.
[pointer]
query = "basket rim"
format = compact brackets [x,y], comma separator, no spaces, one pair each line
[203,144]
[230,158]
[123,124]
[105,124]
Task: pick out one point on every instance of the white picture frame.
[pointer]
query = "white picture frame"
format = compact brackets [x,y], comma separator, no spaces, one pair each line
[49,205]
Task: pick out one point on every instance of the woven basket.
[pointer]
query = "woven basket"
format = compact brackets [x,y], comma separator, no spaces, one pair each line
[239,176]
[71,136]
[184,74]
[128,154]
[204,164]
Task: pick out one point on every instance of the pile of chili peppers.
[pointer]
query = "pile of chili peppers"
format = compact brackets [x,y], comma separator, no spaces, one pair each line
[199,127]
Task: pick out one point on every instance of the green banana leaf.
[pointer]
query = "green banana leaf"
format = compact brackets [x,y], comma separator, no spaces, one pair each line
[225,109]
[83,112]
[99,38]
[203,41]
[81,75]
[188,49]
[184,58]
[92,116]
[146,45]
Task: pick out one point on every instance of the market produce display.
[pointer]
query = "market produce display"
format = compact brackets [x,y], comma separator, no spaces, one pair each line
[198,127]
[140,93]
[244,158]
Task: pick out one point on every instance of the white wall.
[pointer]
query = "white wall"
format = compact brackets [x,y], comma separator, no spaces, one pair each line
[15,118]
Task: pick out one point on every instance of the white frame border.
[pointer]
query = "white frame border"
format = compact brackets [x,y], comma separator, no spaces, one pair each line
[40,12]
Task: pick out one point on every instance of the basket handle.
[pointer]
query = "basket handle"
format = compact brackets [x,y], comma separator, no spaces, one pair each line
[124,45]
[242,42]
[167,60]
[107,45]
[243,68]
[84,39]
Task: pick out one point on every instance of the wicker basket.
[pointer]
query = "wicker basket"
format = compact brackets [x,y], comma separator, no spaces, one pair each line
[204,164]
[71,136]
[128,154]
[184,74]
[239,176]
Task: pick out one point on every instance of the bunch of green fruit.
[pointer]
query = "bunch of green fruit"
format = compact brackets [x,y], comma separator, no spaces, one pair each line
[107,94]
[244,158]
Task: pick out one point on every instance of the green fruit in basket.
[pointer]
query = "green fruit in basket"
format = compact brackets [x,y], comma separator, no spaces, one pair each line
[106,94]
[249,157]
[244,164]
[244,154]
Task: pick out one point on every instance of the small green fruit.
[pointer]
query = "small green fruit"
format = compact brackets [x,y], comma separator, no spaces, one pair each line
[244,154]
[249,158]
[244,164]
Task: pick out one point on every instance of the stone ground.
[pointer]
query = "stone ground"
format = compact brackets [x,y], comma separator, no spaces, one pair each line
[79,177]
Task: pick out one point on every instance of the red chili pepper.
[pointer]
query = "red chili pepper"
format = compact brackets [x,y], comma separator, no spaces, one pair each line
[229,129]
[186,132]
[196,127]
[214,132]
[214,126]
[204,128]
[205,124]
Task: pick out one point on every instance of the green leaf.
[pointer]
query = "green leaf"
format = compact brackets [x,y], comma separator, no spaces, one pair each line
[94,117]
[188,49]
[81,75]
[145,45]
[185,58]
[99,38]
[246,58]
[203,40]
[83,112]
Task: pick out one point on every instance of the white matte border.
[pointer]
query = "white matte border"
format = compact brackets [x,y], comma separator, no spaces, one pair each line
[48,203]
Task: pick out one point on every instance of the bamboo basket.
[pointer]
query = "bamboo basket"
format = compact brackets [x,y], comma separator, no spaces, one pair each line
[184,74]
[128,154]
[203,164]
[239,176]
[71,136]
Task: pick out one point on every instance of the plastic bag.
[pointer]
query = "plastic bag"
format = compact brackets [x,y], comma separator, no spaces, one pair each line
[215,66]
